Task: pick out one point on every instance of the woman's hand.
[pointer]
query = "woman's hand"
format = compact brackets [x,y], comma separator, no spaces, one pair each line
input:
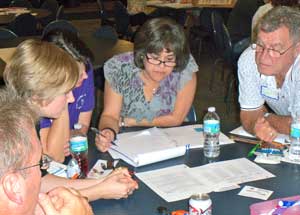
[104,139]
[117,185]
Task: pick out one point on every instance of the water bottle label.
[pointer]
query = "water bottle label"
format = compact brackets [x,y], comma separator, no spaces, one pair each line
[295,130]
[211,126]
[79,144]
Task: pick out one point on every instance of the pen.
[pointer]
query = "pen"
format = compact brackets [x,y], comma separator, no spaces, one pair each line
[99,133]
[254,148]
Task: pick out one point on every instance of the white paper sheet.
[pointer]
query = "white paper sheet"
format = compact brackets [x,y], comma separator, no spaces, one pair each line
[281,138]
[180,182]
[191,136]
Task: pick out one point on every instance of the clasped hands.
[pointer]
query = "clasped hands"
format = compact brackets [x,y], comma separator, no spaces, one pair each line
[62,200]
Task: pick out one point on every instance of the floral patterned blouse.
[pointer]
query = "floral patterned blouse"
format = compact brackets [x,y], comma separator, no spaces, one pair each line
[124,78]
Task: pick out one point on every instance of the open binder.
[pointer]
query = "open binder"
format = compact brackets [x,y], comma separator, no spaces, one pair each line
[158,144]
[145,147]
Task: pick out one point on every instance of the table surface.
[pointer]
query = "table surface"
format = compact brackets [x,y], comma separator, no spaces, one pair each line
[9,17]
[145,201]
[103,49]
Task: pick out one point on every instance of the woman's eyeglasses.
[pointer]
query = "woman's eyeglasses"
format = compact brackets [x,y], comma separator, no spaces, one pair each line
[157,62]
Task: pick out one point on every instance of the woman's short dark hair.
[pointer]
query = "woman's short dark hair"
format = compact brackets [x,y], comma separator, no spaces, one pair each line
[158,34]
[71,43]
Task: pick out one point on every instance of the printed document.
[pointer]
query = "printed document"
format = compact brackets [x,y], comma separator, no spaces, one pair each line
[180,182]
[191,136]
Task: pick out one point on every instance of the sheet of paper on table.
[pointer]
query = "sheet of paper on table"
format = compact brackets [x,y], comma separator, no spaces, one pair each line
[281,138]
[180,182]
[158,144]
[191,136]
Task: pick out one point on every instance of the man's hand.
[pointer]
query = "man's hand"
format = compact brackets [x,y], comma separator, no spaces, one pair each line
[61,200]
[264,131]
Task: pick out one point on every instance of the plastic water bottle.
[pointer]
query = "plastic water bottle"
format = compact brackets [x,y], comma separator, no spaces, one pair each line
[79,149]
[211,131]
[294,151]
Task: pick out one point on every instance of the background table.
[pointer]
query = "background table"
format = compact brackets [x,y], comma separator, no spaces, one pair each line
[198,4]
[145,202]
[102,49]
[9,17]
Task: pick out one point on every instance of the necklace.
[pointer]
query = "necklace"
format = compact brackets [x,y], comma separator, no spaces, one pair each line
[148,85]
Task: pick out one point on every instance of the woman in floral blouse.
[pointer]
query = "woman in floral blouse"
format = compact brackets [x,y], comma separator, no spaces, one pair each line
[152,86]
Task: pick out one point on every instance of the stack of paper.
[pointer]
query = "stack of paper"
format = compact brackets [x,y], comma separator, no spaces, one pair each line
[180,182]
[154,144]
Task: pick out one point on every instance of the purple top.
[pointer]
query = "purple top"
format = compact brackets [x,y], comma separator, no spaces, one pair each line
[84,101]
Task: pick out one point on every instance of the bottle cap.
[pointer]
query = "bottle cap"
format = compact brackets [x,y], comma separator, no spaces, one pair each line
[211,109]
[77,126]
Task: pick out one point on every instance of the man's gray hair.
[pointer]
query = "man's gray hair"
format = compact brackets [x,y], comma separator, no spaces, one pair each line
[17,119]
[280,16]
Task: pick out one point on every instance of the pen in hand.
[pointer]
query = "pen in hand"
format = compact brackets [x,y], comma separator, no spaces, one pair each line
[99,133]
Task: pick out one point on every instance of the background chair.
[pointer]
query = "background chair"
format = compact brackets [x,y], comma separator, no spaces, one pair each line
[36,3]
[20,3]
[60,24]
[6,34]
[60,13]
[224,47]
[115,14]
[53,7]
[191,116]
[24,25]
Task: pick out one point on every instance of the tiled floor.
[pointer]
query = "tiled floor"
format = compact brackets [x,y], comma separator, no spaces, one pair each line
[204,97]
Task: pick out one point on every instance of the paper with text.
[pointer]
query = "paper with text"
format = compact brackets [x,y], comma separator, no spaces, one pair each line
[191,136]
[180,182]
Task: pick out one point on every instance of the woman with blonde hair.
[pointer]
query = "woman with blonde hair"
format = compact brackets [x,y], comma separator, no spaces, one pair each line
[44,75]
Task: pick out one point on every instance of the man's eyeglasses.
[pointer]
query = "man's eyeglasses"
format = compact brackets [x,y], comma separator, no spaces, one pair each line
[44,163]
[272,52]
[155,61]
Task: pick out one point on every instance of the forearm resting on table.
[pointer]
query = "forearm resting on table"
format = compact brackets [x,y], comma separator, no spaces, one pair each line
[85,186]
[281,124]
[249,118]
[107,121]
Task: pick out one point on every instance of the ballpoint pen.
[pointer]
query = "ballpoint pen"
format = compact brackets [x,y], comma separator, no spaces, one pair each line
[96,130]
[254,148]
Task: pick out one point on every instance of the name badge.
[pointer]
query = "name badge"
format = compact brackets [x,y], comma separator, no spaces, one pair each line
[269,92]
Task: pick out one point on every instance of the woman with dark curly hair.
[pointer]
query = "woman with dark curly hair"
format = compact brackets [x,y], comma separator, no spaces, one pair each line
[269,5]
[152,86]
